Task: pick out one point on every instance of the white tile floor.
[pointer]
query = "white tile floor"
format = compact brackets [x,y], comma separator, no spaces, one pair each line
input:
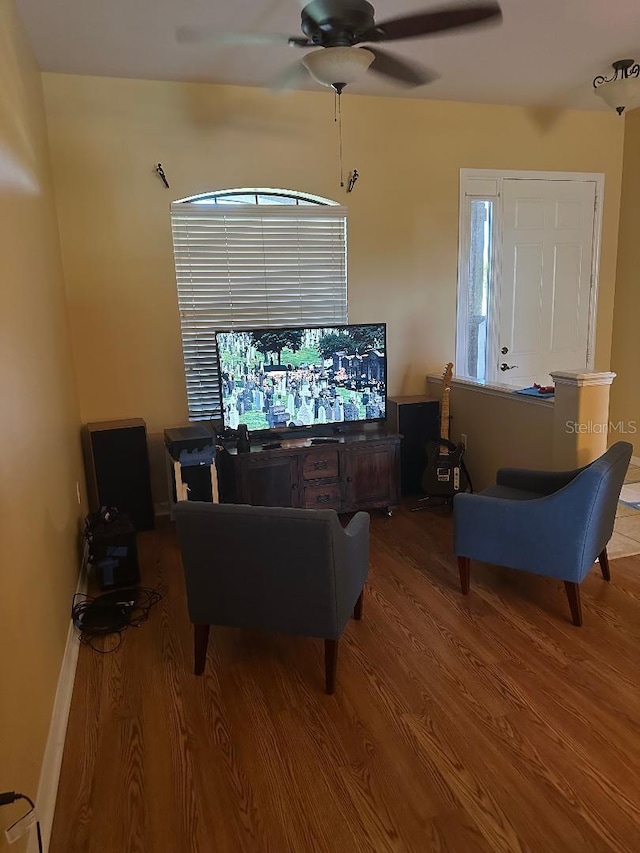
[626,531]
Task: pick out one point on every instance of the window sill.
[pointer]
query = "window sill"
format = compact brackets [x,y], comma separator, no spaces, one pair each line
[505,391]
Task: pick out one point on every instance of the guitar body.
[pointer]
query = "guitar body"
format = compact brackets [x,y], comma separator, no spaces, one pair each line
[444,475]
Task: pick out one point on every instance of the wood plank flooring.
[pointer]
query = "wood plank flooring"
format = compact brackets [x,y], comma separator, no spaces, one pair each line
[459,724]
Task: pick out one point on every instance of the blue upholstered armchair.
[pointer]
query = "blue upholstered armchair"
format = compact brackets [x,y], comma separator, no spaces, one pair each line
[551,523]
[295,571]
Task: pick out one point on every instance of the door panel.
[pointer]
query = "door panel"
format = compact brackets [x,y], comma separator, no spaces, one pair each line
[547,247]
[565,324]
[526,308]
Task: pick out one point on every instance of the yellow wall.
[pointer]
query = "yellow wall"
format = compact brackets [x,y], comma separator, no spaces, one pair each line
[39,428]
[107,134]
[625,393]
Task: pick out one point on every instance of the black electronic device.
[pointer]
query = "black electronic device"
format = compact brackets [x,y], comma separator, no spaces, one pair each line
[113,552]
[198,437]
[117,468]
[282,380]
[417,419]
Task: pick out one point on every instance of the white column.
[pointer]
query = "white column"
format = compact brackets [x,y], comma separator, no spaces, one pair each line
[581,417]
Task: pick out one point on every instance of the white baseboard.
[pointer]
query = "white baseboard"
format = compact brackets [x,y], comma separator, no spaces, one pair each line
[52,759]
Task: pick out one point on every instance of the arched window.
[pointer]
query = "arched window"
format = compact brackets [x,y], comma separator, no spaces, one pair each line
[250,258]
[258,196]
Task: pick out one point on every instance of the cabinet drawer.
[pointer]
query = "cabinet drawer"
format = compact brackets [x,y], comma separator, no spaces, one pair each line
[320,464]
[323,497]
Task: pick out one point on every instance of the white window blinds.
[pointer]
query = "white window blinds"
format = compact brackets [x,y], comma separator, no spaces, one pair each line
[248,266]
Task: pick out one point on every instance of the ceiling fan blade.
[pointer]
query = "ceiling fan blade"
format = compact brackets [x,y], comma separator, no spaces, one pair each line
[429,23]
[193,35]
[290,77]
[400,70]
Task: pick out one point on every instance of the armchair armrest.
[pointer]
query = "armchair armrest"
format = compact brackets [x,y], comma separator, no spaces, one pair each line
[541,482]
[356,538]
[352,563]
[357,531]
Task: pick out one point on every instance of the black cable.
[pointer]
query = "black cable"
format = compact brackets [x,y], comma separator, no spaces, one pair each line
[10,797]
[91,641]
[141,610]
[111,613]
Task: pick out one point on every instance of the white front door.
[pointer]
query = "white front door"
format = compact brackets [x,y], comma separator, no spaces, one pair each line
[545,279]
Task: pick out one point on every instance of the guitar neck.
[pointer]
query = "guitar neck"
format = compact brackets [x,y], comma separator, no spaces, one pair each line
[444,415]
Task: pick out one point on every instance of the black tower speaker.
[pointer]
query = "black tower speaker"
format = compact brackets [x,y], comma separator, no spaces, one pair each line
[417,419]
[117,467]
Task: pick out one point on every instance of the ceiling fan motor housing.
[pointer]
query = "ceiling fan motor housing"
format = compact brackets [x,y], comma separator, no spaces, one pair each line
[336,23]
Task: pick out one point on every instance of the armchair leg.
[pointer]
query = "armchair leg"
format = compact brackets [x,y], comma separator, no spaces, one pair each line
[603,559]
[464,567]
[357,610]
[200,643]
[573,594]
[330,664]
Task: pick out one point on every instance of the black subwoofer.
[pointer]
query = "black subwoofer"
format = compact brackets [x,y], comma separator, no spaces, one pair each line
[117,468]
[417,419]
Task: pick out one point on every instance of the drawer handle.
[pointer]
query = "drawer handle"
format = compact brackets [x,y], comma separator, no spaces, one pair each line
[294,485]
[349,479]
[323,499]
[322,465]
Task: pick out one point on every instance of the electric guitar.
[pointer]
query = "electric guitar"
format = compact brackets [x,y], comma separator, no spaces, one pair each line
[445,474]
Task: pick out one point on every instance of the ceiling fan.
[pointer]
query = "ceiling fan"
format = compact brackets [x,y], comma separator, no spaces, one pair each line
[336,28]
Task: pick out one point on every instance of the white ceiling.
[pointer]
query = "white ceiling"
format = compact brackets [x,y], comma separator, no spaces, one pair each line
[544,52]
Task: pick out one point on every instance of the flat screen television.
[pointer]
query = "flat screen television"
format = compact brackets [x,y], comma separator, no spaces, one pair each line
[306,377]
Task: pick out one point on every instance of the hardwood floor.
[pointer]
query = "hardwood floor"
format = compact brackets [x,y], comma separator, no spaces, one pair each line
[485,722]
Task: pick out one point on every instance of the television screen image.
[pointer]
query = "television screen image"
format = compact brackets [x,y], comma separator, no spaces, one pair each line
[302,377]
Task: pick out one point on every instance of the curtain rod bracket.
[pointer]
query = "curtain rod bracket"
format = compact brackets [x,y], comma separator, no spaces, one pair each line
[161,175]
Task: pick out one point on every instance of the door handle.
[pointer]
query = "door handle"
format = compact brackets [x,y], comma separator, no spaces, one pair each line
[504,366]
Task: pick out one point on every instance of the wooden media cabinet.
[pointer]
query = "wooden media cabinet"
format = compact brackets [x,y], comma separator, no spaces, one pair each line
[359,470]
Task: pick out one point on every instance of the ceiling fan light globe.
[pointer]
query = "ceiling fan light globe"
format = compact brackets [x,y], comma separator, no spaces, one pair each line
[620,94]
[332,66]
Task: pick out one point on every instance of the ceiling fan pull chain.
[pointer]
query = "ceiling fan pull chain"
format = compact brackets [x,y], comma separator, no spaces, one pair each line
[338,118]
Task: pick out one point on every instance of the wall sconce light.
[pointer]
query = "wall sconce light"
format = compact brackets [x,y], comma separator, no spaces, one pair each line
[622,90]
